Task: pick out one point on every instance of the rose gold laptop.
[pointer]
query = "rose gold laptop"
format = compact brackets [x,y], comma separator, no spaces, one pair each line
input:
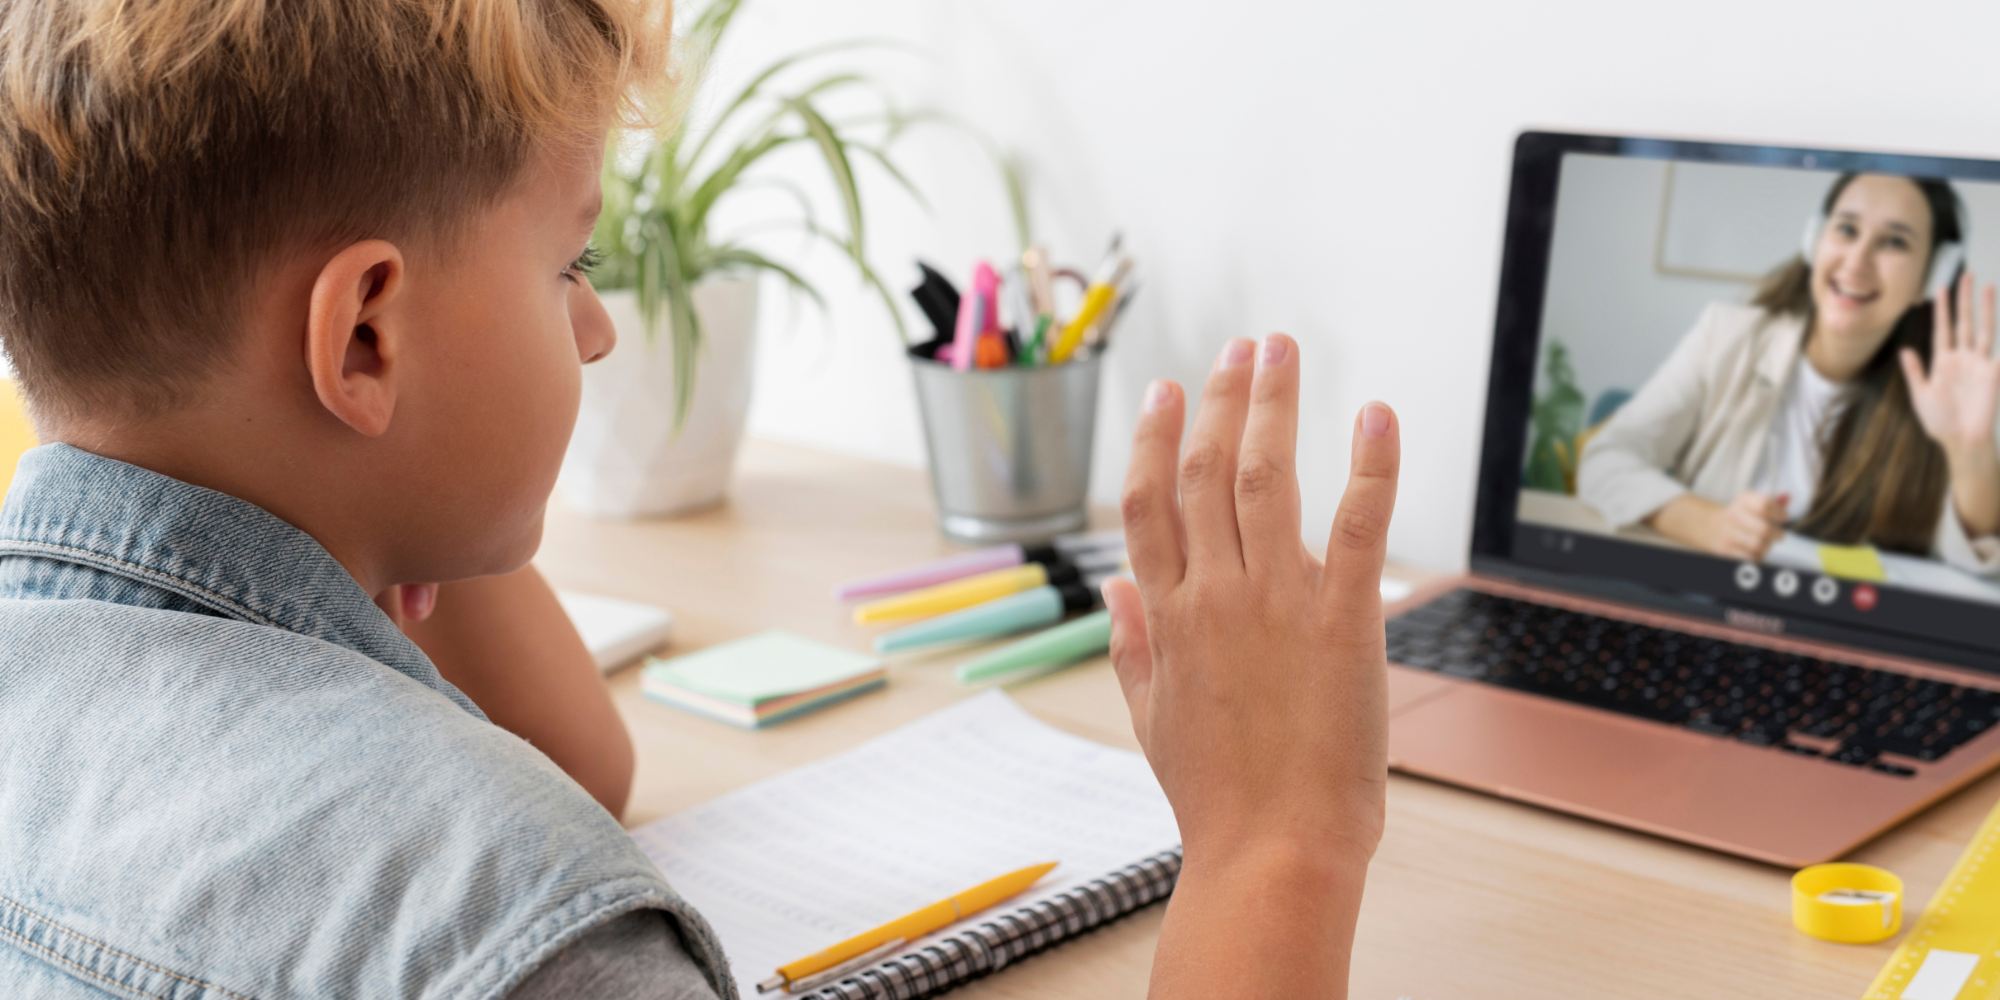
[1785,708]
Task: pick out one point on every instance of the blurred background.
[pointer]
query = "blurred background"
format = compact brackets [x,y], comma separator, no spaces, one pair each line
[1335,171]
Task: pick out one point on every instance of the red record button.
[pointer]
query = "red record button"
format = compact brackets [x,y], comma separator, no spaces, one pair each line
[1864,597]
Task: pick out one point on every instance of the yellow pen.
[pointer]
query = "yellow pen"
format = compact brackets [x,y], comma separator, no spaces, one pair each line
[909,927]
[1102,293]
[948,597]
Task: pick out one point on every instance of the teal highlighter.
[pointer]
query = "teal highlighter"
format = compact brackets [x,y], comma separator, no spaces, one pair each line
[1032,608]
[1067,643]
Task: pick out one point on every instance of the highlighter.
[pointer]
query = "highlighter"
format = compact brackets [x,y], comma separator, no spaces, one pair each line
[992,351]
[1043,605]
[1088,551]
[1070,642]
[975,312]
[964,593]
[932,573]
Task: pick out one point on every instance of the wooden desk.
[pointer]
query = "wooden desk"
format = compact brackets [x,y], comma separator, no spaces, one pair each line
[1469,898]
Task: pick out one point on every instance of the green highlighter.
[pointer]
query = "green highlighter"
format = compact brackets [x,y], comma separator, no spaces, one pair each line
[1079,639]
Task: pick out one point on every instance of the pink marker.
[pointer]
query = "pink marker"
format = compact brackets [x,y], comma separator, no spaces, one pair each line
[933,573]
[974,310]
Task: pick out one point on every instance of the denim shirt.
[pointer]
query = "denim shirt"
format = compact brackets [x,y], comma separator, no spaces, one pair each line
[226,775]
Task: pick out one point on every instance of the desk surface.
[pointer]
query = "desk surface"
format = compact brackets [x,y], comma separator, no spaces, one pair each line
[1469,898]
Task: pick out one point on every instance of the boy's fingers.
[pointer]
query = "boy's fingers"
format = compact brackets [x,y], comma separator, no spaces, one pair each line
[1351,584]
[1131,651]
[1267,485]
[1149,506]
[1208,467]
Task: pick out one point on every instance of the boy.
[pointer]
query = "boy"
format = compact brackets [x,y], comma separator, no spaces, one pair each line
[294,289]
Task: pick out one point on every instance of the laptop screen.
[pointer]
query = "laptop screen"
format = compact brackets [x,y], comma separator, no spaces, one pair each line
[1739,380]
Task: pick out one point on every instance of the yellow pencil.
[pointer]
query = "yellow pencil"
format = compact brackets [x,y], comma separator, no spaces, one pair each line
[1105,287]
[948,597]
[1095,302]
[909,927]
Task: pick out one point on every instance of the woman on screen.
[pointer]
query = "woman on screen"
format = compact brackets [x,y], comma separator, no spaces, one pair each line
[1844,403]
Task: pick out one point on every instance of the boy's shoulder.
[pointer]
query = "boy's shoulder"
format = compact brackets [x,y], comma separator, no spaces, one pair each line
[197,798]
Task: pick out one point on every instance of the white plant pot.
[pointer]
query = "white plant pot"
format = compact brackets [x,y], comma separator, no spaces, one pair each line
[624,459]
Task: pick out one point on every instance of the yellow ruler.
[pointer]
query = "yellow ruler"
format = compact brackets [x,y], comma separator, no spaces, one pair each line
[1953,952]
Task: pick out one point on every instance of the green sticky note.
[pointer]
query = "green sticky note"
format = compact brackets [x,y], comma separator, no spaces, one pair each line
[761,668]
[1853,562]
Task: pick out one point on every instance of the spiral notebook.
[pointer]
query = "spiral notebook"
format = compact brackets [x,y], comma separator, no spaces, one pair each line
[791,865]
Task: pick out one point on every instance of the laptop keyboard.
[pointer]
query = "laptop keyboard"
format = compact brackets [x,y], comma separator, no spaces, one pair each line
[1851,715]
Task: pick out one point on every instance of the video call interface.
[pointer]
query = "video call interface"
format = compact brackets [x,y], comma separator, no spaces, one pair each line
[1746,363]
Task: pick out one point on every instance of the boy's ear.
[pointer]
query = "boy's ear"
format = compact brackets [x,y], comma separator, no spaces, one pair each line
[353,340]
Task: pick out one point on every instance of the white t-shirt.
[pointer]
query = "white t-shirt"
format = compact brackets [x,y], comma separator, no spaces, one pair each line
[1791,462]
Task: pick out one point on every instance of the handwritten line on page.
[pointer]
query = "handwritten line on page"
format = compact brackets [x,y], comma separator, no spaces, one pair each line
[791,865]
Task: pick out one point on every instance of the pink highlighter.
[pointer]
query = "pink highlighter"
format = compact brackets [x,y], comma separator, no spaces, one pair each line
[974,311]
[945,570]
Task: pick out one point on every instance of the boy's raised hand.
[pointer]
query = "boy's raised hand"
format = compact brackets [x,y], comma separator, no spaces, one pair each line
[1256,677]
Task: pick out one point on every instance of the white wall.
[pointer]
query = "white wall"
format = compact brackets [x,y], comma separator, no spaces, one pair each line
[1335,170]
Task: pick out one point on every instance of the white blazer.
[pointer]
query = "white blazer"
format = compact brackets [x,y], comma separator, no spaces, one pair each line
[1701,425]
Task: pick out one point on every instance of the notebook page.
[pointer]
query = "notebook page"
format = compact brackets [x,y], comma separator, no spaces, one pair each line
[788,866]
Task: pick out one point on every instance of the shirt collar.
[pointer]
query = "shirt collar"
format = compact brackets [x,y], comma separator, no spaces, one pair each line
[223,553]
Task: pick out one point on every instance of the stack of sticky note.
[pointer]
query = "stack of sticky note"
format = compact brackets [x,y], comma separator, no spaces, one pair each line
[761,680]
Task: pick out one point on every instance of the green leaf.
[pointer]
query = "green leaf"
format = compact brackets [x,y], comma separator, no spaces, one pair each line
[713,21]
[881,158]
[1017,199]
[834,152]
[654,229]
[868,279]
[728,257]
[725,176]
[755,87]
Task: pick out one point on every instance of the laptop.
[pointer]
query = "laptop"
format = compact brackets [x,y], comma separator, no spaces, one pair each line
[1782,692]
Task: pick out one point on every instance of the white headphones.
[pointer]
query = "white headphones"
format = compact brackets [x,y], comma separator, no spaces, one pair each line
[1946,261]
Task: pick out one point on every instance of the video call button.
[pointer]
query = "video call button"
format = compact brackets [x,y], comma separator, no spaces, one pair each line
[1786,583]
[1825,590]
[1748,576]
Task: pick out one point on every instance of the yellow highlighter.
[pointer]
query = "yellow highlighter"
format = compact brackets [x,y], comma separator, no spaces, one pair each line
[818,969]
[948,597]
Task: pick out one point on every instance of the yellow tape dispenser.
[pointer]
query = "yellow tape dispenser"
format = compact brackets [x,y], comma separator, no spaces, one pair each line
[1852,904]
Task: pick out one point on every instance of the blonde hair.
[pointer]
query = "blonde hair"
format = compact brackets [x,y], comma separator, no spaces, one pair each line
[156,154]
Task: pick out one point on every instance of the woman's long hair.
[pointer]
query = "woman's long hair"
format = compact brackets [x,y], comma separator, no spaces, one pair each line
[1882,480]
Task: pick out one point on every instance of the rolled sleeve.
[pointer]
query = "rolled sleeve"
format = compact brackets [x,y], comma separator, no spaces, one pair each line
[638,956]
[1959,550]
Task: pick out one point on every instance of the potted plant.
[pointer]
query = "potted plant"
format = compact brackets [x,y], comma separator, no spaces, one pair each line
[662,416]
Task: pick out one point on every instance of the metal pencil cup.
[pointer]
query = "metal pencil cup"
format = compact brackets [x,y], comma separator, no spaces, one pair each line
[1009,448]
